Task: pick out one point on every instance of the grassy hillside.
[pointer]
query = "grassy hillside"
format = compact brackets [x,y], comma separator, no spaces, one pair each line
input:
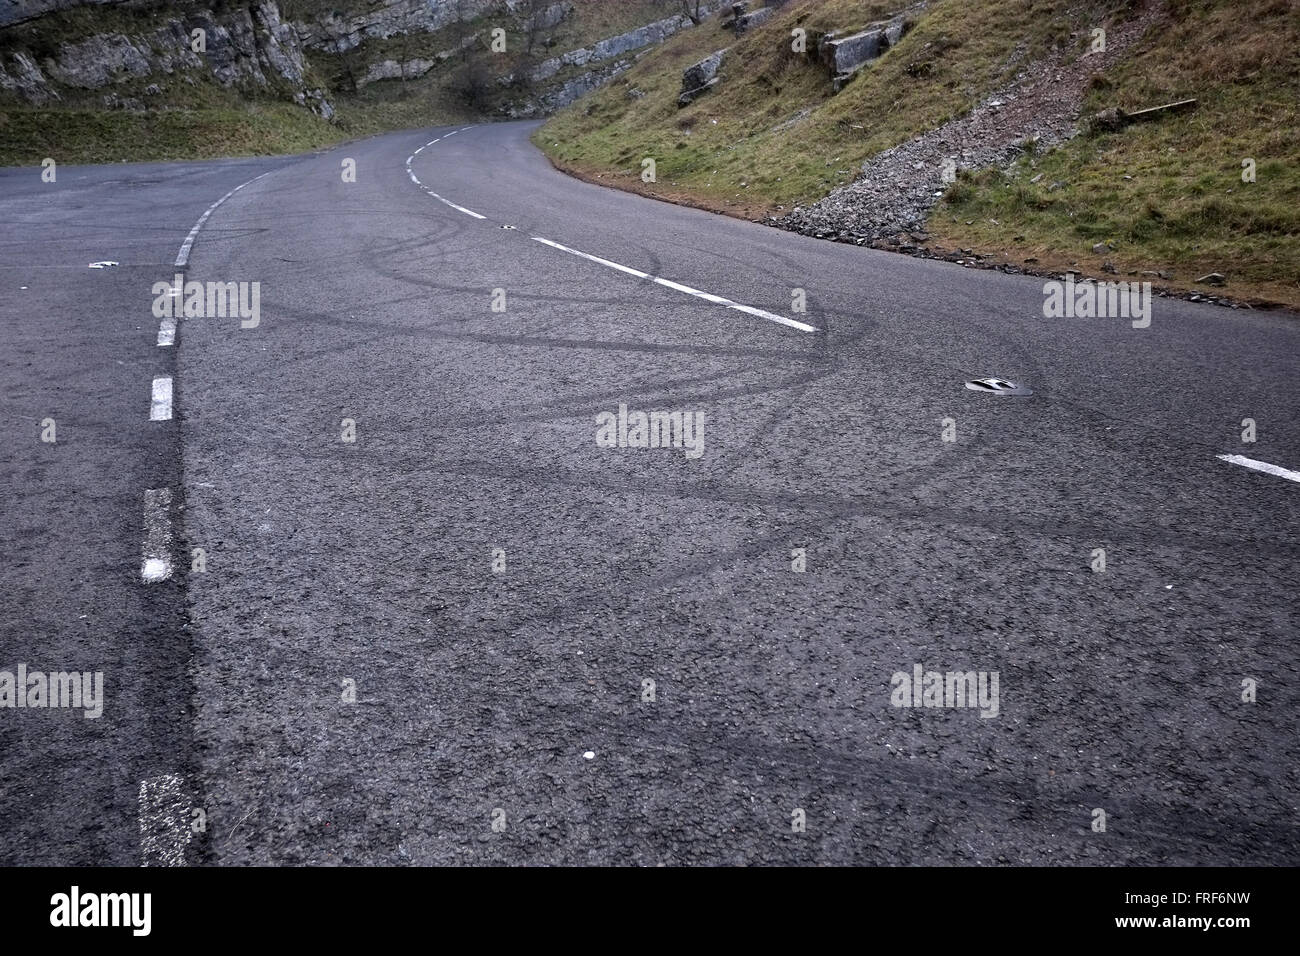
[1168,196]
[772,135]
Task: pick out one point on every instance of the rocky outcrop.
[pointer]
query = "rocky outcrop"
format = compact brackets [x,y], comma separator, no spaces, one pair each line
[615,46]
[20,11]
[250,48]
[701,77]
[337,32]
[25,79]
[748,21]
[845,55]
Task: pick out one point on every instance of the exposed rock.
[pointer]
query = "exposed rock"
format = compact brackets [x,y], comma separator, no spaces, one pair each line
[24,77]
[339,34]
[99,61]
[392,70]
[549,17]
[1212,278]
[614,46]
[700,77]
[251,46]
[748,21]
[845,55]
[1107,120]
[18,11]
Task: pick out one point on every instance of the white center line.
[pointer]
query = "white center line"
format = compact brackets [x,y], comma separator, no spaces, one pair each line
[167,332]
[157,552]
[410,172]
[1260,466]
[160,408]
[164,821]
[183,257]
[707,296]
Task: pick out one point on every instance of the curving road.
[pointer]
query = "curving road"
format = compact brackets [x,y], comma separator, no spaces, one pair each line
[432,644]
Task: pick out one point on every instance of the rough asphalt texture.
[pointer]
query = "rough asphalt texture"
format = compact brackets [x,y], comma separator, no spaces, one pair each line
[371,562]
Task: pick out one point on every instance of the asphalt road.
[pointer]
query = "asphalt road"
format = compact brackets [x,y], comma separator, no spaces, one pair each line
[450,621]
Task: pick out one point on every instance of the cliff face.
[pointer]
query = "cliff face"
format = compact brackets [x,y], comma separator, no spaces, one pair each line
[250,48]
[139,54]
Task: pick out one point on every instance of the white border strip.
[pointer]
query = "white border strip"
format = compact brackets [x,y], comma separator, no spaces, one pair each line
[160,406]
[164,821]
[1260,466]
[167,332]
[183,257]
[156,564]
[706,296]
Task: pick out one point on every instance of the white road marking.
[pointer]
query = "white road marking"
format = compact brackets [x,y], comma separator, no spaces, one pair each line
[183,257]
[107,263]
[156,564]
[707,296]
[160,408]
[468,212]
[410,172]
[164,821]
[1261,466]
[167,332]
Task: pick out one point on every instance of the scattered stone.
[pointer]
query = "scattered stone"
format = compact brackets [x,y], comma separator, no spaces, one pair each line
[1212,278]
[700,77]
[748,21]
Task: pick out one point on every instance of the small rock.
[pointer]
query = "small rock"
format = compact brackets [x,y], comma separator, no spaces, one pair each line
[1212,278]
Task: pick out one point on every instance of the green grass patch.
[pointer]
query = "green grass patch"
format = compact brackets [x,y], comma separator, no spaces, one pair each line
[1167,195]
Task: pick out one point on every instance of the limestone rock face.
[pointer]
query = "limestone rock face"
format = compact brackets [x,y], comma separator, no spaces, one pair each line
[250,46]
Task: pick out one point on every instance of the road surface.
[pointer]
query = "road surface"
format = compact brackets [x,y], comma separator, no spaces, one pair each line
[439,622]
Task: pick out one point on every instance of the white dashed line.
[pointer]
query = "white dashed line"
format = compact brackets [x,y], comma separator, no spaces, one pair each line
[183,257]
[410,172]
[160,408]
[468,212]
[707,296]
[167,332]
[1261,466]
[164,821]
[156,564]
[667,283]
